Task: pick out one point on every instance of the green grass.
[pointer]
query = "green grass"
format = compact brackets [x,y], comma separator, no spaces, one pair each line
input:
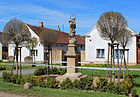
[47,92]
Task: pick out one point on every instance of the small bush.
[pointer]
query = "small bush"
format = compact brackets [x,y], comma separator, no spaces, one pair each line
[7,76]
[43,70]
[40,71]
[134,92]
[76,84]
[62,71]
[31,80]
[1,61]
[2,68]
[66,84]
[28,59]
[52,83]
[86,83]
[38,80]
[33,65]
[10,58]
[101,85]
[112,87]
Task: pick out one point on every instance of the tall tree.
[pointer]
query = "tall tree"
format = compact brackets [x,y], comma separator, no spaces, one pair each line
[15,32]
[47,39]
[124,41]
[31,44]
[110,26]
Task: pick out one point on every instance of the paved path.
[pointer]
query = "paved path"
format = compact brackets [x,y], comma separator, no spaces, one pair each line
[24,72]
[5,94]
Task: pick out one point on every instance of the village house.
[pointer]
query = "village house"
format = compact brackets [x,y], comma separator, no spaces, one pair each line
[59,48]
[3,49]
[96,48]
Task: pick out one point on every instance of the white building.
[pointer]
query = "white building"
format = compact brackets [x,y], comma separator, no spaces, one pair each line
[96,48]
[62,41]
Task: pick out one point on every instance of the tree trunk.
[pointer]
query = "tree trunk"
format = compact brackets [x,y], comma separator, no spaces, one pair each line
[127,61]
[17,59]
[13,61]
[124,63]
[118,71]
[111,65]
[108,61]
[121,63]
[48,68]
[20,61]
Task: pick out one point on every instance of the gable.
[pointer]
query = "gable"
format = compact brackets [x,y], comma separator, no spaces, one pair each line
[95,27]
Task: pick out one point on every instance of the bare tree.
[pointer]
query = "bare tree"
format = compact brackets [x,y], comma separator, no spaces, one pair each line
[47,39]
[110,26]
[31,44]
[124,40]
[15,32]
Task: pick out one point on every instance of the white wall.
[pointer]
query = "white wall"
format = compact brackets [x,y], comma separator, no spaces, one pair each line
[94,42]
[25,52]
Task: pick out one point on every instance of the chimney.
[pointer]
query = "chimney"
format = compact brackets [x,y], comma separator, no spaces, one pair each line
[40,24]
[58,29]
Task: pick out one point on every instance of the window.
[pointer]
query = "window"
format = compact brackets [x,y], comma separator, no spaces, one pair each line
[33,52]
[120,52]
[100,53]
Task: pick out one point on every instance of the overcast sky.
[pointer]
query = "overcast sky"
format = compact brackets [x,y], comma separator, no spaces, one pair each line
[57,12]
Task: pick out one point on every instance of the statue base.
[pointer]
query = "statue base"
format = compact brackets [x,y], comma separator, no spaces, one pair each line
[71,76]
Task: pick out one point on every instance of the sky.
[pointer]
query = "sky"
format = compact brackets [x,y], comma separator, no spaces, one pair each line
[57,12]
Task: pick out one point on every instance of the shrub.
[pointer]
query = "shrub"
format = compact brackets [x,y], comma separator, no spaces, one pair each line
[31,80]
[2,68]
[38,80]
[101,85]
[28,59]
[1,61]
[86,83]
[7,76]
[76,84]
[62,71]
[40,71]
[112,87]
[66,84]
[33,65]
[54,71]
[18,67]
[52,83]
[43,70]
[134,92]
[10,58]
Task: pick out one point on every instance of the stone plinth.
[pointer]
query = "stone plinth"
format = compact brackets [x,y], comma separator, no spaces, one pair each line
[71,76]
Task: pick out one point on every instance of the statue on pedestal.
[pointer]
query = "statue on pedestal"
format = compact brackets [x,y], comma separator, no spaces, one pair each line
[72,27]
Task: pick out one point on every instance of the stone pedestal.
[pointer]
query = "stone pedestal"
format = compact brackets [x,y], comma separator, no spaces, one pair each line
[72,60]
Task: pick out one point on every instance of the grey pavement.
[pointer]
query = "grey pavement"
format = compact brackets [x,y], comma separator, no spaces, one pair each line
[24,71]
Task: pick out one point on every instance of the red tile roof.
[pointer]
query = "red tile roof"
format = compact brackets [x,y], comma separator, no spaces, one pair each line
[62,36]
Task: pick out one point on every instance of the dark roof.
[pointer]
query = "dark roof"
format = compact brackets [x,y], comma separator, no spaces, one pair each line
[62,36]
